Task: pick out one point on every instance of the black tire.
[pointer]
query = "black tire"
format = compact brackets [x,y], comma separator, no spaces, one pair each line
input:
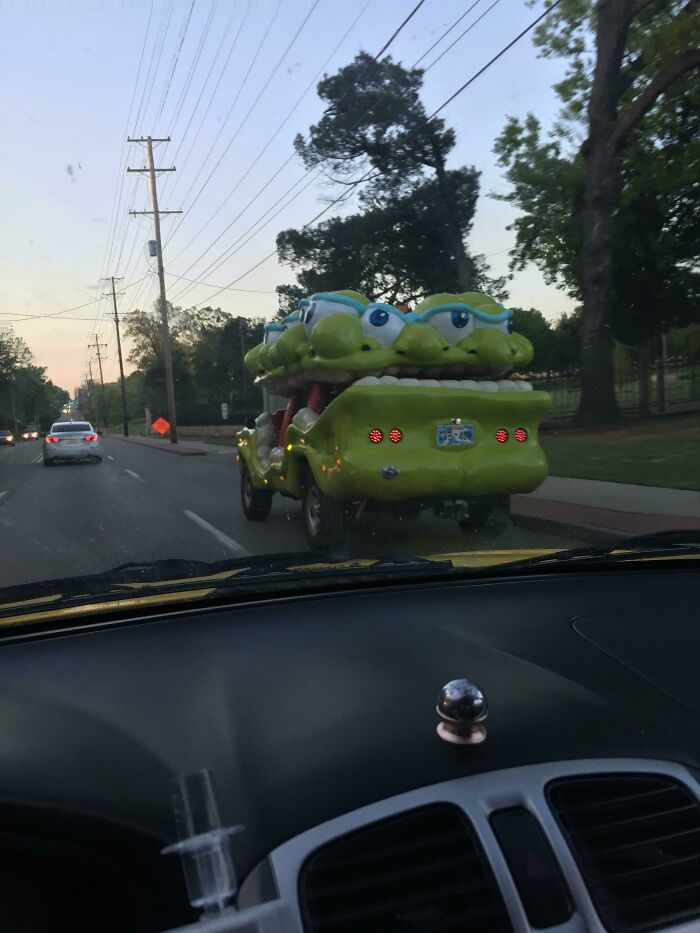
[256,503]
[97,459]
[48,463]
[486,514]
[325,519]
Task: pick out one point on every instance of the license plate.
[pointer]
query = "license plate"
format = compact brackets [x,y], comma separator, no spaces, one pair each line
[455,435]
[72,441]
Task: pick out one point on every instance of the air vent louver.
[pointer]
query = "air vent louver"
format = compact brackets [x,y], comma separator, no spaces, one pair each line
[421,871]
[637,841]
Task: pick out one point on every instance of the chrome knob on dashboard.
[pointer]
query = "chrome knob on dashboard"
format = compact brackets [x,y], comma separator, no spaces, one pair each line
[462,708]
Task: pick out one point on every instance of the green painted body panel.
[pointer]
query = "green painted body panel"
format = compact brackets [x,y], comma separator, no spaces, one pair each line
[347,465]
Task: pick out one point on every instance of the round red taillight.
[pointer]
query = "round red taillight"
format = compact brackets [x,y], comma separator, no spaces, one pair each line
[395,435]
[520,434]
[501,435]
[376,436]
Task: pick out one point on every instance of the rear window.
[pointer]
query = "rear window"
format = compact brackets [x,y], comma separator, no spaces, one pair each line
[71,427]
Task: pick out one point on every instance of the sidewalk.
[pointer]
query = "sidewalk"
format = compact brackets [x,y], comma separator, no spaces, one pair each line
[616,508]
[188,449]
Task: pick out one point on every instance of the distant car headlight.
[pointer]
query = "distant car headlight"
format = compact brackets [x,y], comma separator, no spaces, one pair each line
[10,437]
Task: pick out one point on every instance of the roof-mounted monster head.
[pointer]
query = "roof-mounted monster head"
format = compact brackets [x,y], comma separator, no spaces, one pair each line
[341,337]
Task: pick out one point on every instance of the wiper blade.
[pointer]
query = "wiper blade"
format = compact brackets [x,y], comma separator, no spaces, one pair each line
[671,543]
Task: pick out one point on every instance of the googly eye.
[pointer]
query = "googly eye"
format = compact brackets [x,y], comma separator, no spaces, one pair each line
[379,317]
[319,309]
[382,324]
[453,325]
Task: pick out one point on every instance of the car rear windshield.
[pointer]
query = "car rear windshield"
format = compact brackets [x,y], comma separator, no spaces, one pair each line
[72,427]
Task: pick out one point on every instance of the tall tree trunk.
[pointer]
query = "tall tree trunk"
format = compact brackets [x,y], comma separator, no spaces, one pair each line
[645,357]
[453,236]
[603,182]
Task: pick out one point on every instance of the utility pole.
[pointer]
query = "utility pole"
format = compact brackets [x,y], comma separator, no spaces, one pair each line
[125,416]
[97,346]
[151,170]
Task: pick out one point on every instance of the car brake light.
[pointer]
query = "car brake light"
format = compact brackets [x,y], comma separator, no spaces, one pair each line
[90,437]
[52,440]
[501,435]
[376,436]
[520,434]
[395,435]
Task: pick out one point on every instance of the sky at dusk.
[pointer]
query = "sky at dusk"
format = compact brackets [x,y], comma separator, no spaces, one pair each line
[78,77]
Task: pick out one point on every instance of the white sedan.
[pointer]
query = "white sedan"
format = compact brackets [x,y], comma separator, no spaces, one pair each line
[71,440]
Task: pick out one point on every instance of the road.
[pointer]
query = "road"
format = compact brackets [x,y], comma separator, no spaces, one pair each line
[143,504]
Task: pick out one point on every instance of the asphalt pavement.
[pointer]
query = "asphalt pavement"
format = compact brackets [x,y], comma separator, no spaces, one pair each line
[143,504]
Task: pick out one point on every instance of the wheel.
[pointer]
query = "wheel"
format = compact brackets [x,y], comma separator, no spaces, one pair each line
[256,503]
[48,463]
[325,519]
[97,459]
[490,514]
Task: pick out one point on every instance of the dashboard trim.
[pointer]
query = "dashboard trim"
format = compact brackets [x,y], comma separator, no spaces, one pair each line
[478,796]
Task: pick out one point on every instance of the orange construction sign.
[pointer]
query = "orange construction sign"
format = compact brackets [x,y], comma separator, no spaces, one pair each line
[161,425]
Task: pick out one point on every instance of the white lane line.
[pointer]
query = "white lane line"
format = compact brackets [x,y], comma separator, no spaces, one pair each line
[3,492]
[37,459]
[232,545]
[135,475]
[110,457]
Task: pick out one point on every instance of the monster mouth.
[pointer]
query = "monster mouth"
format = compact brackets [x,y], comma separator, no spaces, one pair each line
[413,378]
[474,385]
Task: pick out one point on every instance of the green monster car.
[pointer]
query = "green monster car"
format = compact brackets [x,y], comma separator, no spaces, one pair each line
[382,409]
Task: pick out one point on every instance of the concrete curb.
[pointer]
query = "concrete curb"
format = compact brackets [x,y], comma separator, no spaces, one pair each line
[178,449]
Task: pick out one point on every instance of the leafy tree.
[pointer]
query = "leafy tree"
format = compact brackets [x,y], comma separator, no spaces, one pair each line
[535,326]
[417,212]
[388,252]
[585,206]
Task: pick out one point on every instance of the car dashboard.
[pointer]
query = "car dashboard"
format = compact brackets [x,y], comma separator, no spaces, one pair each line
[579,808]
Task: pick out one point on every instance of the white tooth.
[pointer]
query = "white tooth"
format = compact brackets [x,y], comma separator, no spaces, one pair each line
[522,386]
[488,386]
[367,381]
[468,384]
[431,383]
[451,383]
[409,382]
[388,380]
[507,385]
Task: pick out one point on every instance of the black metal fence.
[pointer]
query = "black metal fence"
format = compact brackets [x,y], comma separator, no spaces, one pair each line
[681,389]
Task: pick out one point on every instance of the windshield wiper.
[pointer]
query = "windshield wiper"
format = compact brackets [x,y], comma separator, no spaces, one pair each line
[202,580]
[665,544]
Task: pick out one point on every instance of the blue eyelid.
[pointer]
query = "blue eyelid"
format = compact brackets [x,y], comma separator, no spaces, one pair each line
[461,306]
[382,306]
[337,299]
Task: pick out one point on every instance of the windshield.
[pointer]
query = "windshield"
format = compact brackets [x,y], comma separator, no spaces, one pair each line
[71,427]
[341,283]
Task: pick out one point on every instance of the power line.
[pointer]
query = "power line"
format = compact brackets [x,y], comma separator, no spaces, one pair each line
[264,149]
[441,107]
[223,126]
[192,70]
[495,58]
[249,291]
[343,197]
[397,31]
[446,33]
[176,59]
[35,317]
[250,110]
[231,251]
[216,87]
[461,35]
